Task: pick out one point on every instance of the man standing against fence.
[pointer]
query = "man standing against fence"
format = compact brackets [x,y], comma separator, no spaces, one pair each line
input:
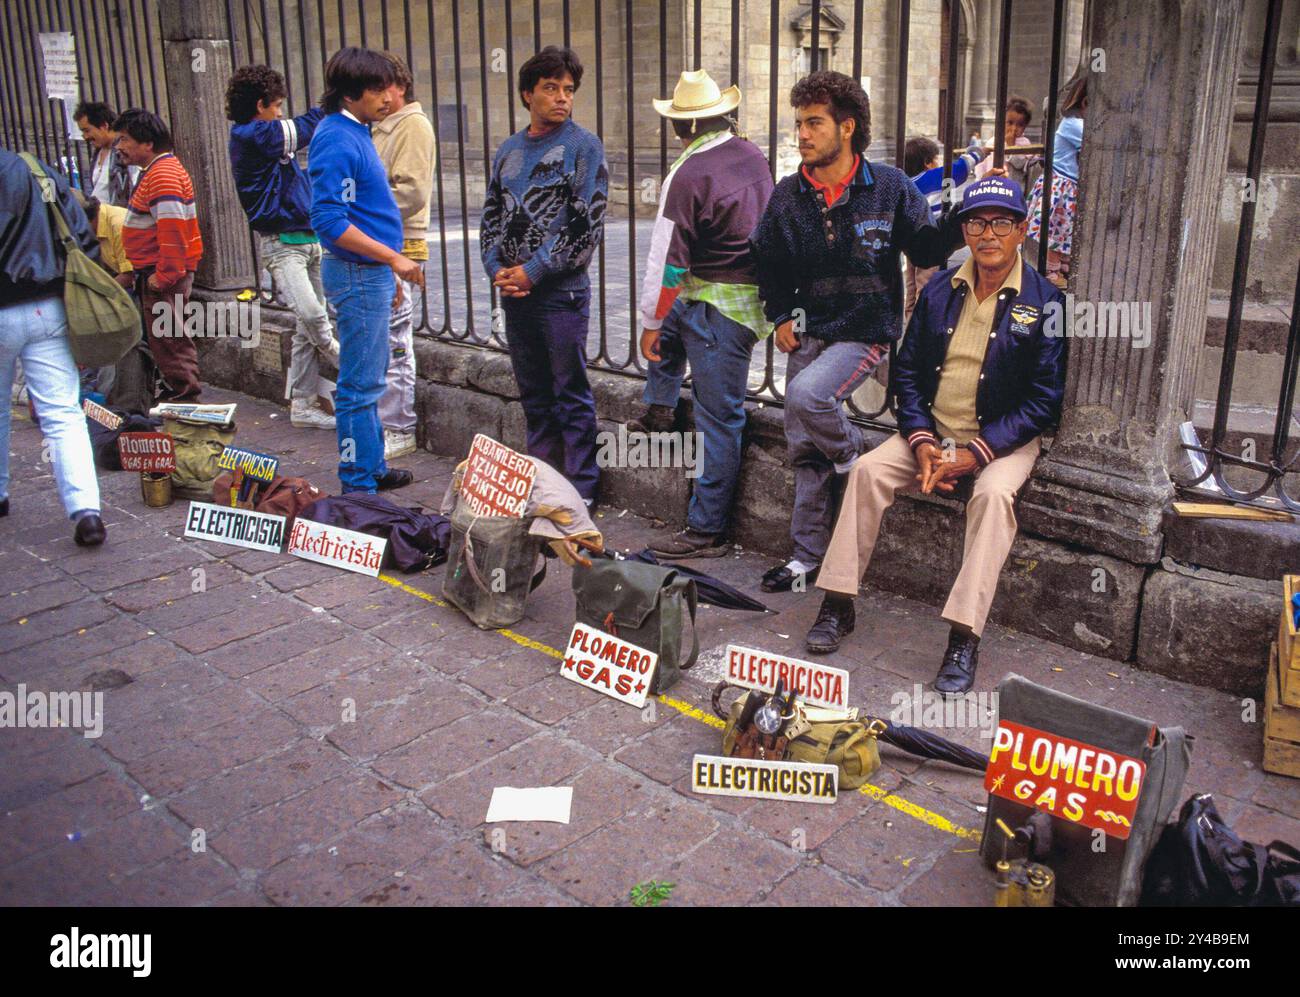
[111,180]
[699,302]
[353,212]
[276,197]
[827,253]
[162,240]
[543,218]
[404,140]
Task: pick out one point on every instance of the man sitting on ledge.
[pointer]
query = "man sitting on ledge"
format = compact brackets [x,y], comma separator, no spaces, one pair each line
[978,379]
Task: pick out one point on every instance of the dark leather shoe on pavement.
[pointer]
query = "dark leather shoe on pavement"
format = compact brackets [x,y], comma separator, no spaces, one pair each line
[394,477]
[957,673]
[90,531]
[655,419]
[781,578]
[690,543]
[834,622]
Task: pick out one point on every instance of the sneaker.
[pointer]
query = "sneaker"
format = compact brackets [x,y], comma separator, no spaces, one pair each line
[957,673]
[305,415]
[397,443]
[655,419]
[691,543]
[835,621]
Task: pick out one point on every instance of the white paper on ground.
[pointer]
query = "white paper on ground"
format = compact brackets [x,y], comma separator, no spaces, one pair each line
[551,803]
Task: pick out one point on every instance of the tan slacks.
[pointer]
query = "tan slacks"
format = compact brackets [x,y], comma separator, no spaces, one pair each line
[990,525]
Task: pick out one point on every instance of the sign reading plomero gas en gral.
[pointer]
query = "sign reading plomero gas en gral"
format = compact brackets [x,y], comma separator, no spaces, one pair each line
[818,685]
[1069,779]
[497,480]
[151,452]
[334,545]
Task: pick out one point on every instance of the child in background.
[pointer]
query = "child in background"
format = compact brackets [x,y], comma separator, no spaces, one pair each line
[1065,185]
[1015,120]
[923,162]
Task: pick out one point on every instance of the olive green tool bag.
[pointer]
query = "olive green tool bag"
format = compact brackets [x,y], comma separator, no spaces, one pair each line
[103,321]
[646,605]
[198,447]
[492,566]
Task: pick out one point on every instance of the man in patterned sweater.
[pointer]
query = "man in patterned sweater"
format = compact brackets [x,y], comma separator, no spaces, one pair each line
[699,301]
[162,241]
[543,218]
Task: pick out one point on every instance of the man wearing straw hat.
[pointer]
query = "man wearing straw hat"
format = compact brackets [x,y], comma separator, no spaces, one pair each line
[699,300]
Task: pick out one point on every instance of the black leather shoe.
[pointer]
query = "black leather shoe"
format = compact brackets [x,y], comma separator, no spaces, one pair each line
[781,578]
[957,673]
[394,477]
[90,531]
[834,622]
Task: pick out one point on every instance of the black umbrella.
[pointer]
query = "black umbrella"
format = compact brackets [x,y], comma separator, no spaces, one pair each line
[923,743]
[713,591]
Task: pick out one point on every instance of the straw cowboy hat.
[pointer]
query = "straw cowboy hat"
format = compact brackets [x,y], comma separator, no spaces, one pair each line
[697,96]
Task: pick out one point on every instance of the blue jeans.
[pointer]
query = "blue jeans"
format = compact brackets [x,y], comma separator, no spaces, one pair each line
[547,335]
[663,378]
[362,296]
[36,332]
[718,350]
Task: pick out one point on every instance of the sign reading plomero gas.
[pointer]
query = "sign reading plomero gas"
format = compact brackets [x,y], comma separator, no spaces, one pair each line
[817,685]
[1068,779]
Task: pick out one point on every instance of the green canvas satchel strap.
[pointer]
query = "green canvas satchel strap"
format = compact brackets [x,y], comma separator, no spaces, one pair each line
[471,566]
[692,600]
[51,202]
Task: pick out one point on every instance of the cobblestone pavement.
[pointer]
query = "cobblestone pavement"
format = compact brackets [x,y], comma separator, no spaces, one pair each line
[226,774]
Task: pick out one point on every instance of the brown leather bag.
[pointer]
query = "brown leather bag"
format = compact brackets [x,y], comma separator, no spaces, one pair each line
[284,496]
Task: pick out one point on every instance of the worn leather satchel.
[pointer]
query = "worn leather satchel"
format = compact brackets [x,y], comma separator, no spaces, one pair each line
[644,604]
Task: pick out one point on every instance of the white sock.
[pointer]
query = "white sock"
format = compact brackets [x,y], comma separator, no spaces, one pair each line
[798,567]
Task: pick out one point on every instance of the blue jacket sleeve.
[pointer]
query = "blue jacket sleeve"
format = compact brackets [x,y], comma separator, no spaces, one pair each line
[925,243]
[332,178]
[773,263]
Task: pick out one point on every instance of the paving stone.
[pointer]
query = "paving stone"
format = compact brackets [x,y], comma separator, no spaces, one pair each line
[457,748]
[665,753]
[16,604]
[814,885]
[958,879]
[608,725]
[429,707]
[157,591]
[552,699]
[254,619]
[349,653]
[458,874]
[181,880]
[263,650]
[543,760]
[48,624]
[730,868]
[386,682]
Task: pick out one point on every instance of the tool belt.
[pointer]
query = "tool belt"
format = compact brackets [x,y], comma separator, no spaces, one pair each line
[805,734]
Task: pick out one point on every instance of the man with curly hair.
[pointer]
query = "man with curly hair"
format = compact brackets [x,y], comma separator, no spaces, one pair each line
[276,197]
[827,255]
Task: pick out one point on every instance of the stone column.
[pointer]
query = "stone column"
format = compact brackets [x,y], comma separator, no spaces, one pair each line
[196,53]
[1154,154]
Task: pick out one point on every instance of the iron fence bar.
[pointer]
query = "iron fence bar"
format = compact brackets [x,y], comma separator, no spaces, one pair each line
[697,22]
[900,111]
[1286,393]
[950,97]
[14,130]
[510,63]
[1246,227]
[138,97]
[857,39]
[537,26]
[58,108]
[324,45]
[815,62]
[437,172]
[1004,45]
[735,42]
[1049,131]
[248,30]
[631,181]
[663,85]
[568,28]
[383,24]
[602,287]
[494,299]
[153,61]
[460,159]
[361,19]
[343,26]
[287,68]
[40,141]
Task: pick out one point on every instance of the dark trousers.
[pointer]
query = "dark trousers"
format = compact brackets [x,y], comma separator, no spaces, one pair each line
[547,336]
[176,355]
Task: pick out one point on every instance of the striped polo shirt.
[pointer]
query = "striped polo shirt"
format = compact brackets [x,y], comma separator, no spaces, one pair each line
[162,229]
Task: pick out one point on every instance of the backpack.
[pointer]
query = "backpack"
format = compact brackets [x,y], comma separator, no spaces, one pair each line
[644,604]
[103,321]
[416,540]
[493,565]
[283,496]
[198,447]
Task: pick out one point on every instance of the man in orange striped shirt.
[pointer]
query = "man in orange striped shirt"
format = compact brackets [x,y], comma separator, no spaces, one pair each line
[162,241]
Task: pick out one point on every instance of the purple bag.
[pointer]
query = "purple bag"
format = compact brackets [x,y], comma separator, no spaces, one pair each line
[416,540]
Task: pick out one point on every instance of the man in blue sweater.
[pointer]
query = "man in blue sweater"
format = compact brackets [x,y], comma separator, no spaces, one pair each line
[827,254]
[543,218]
[276,197]
[353,212]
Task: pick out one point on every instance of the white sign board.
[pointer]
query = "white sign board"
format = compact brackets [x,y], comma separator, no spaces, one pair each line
[817,685]
[359,552]
[59,60]
[497,480]
[797,782]
[602,662]
[239,527]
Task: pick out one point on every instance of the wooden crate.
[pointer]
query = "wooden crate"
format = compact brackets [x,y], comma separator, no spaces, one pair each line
[1281,726]
[1288,644]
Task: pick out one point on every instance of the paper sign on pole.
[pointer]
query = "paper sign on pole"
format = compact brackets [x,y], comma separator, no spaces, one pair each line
[101,415]
[153,452]
[497,480]
[798,782]
[359,552]
[59,61]
[602,662]
[817,685]
[238,527]
[1069,779]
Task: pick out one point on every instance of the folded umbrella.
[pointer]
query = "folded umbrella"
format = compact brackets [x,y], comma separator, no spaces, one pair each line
[711,590]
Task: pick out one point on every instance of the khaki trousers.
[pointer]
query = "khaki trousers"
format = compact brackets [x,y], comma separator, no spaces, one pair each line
[990,525]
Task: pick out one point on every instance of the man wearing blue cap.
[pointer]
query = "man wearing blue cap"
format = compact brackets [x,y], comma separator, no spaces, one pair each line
[978,380]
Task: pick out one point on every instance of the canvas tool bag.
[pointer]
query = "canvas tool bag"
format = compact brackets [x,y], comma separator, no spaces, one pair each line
[198,447]
[492,566]
[282,496]
[103,321]
[814,734]
[644,604]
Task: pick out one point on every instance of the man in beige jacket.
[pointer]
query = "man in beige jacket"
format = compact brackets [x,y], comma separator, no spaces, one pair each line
[406,146]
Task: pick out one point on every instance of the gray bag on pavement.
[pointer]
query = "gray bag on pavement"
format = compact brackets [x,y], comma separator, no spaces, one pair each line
[492,565]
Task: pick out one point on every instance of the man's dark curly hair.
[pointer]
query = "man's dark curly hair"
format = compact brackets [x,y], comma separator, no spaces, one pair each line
[249,85]
[846,98]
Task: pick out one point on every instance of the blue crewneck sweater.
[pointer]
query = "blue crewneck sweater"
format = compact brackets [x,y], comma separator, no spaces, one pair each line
[349,187]
[545,205]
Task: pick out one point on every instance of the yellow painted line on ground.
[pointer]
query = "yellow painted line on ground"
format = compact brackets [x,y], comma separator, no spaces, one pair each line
[928,817]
